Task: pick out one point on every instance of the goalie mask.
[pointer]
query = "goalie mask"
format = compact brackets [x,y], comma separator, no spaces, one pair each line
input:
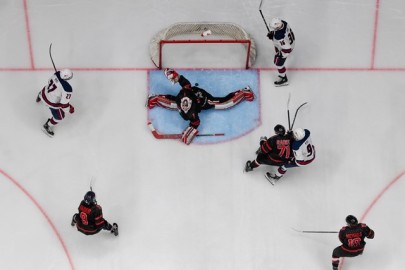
[276,24]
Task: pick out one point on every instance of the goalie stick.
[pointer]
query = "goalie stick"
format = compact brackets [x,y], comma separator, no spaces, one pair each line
[314,231]
[158,135]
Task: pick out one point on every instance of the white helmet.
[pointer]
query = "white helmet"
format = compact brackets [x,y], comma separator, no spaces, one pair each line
[276,24]
[298,134]
[66,74]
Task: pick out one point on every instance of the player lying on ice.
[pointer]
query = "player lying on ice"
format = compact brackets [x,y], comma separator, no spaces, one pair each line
[191,100]
[283,150]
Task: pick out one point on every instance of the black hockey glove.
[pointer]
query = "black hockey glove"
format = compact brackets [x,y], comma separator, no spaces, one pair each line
[270,35]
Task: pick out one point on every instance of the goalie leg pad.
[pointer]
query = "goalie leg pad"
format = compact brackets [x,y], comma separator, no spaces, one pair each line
[189,134]
[237,97]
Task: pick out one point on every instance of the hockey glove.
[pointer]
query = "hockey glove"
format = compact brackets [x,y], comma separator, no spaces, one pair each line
[270,35]
[71,109]
[172,75]
[189,134]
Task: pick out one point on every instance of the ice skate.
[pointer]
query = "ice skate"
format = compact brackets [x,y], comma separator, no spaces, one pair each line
[335,268]
[248,93]
[114,229]
[272,178]
[248,167]
[282,81]
[47,129]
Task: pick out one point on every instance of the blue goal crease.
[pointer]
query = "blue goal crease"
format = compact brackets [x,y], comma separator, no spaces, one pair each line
[234,122]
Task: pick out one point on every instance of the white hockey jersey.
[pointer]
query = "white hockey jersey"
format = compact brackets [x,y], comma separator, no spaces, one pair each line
[284,39]
[304,150]
[57,93]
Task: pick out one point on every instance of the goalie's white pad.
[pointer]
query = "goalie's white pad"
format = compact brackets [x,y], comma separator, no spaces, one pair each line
[189,134]
[240,95]
[172,75]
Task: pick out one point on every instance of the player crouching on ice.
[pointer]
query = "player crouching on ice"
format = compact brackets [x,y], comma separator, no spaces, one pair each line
[191,100]
[90,218]
[285,150]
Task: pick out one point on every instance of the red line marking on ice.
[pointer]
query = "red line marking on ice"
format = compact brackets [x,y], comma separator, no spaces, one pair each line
[381,194]
[28,32]
[16,183]
[125,69]
[374,202]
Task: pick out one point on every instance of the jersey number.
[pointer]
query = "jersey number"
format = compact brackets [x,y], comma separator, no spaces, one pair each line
[355,242]
[51,86]
[310,150]
[83,217]
[284,150]
[291,37]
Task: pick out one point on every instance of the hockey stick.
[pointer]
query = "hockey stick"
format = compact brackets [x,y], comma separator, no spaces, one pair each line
[261,13]
[314,231]
[158,135]
[50,54]
[296,112]
[288,110]
[91,183]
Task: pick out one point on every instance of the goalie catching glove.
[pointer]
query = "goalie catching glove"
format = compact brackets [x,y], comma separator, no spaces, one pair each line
[172,75]
[189,134]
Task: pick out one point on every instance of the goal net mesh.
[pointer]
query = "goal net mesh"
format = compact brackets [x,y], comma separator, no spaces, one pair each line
[190,32]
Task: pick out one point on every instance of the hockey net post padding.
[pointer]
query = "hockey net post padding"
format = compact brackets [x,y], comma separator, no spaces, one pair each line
[222,33]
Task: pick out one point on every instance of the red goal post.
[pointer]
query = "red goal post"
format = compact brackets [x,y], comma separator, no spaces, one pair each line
[221,33]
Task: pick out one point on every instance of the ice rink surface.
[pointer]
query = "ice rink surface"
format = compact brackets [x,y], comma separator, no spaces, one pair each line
[191,207]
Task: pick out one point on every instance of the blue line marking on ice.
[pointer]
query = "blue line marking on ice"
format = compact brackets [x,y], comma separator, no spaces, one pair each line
[234,122]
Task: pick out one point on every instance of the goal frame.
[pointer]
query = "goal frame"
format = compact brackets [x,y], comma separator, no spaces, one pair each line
[236,34]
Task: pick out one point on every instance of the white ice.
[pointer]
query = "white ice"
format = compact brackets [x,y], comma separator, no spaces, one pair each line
[191,207]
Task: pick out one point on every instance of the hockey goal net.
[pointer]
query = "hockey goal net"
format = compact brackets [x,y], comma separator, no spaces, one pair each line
[191,33]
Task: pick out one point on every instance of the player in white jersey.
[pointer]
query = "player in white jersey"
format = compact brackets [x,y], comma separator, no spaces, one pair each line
[56,95]
[303,150]
[284,41]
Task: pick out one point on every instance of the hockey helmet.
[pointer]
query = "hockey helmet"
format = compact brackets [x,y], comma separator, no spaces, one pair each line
[279,129]
[298,134]
[66,74]
[351,220]
[90,198]
[276,24]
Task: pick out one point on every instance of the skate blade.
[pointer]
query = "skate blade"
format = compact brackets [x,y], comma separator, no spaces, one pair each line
[278,85]
[271,180]
[46,132]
